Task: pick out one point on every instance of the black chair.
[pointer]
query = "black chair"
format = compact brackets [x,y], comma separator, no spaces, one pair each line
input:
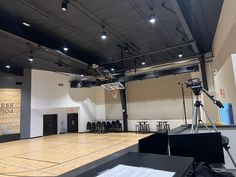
[88,127]
[109,127]
[113,126]
[118,126]
[93,127]
[98,127]
[104,127]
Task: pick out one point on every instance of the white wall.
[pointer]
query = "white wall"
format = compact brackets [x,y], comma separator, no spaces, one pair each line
[225,79]
[100,103]
[224,40]
[49,98]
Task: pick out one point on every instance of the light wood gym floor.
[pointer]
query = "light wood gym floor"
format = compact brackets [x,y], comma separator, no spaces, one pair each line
[57,154]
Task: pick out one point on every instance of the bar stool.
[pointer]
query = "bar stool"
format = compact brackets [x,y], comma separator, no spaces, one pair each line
[137,129]
[141,128]
[159,126]
[167,126]
[147,128]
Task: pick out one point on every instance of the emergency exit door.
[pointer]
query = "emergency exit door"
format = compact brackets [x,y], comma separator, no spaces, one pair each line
[72,123]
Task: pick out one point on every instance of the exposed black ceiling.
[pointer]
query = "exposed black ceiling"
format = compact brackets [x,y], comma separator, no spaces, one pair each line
[125,22]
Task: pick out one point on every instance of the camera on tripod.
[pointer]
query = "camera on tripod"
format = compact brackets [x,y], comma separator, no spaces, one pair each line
[196,85]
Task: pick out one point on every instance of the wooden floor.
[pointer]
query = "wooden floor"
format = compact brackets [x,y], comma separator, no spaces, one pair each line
[57,154]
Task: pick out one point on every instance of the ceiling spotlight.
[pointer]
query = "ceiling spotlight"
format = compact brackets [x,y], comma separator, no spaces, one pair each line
[143,63]
[126,49]
[180,54]
[64,5]
[152,18]
[112,69]
[31,58]
[26,24]
[8,66]
[65,48]
[103,33]
[82,75]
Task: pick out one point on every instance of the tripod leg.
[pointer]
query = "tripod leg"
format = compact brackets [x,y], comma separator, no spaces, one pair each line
[193,119]
[230,156]
[205,125]
[208,117]
[198,115]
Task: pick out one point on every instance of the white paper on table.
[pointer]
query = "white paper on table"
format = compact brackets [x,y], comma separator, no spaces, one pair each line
[130,171]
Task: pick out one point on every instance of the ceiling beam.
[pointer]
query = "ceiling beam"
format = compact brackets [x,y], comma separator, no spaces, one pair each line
[184,24]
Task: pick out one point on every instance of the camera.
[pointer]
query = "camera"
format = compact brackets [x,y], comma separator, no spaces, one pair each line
[196,85]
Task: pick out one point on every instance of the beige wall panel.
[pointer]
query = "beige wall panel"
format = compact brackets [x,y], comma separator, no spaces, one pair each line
[152,99]
[159,98]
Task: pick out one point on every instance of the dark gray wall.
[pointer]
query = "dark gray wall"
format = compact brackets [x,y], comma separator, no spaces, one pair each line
[9,81]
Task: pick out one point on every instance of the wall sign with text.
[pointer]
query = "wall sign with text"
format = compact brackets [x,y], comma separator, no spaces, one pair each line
[10,106]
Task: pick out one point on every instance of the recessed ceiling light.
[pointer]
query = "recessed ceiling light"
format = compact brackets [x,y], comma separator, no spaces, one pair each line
[143,63]
[82,75]
[112,69]
[26,24]
[65,48]
[8,66]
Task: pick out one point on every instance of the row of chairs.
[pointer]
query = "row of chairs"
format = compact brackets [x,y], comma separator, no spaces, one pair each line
[104,127]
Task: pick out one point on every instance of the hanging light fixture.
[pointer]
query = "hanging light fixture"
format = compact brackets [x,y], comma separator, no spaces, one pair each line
[103,34]
[180,53]
[65,48]
[31,57]
[64,5]
[152,17]
[126,49]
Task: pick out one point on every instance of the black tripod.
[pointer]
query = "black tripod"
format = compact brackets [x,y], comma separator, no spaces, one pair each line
[196,119]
